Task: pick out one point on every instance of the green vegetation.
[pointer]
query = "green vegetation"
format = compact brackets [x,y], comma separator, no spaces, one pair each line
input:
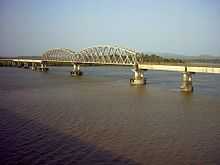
[5,63]
[153,58]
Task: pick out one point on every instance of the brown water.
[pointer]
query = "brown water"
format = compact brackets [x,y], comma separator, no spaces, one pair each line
[52,118]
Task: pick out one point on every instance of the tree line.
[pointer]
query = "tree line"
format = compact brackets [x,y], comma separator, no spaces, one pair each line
[153,58]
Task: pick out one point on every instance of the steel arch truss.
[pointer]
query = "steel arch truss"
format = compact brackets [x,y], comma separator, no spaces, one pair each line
[109,55]
[58,55]
[94,55]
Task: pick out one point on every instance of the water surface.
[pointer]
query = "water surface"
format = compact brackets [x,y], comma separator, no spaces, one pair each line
[52,118]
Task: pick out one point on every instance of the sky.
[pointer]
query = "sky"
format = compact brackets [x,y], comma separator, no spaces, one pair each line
[186,27]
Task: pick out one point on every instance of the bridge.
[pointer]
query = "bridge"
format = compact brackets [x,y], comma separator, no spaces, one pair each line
[112,55]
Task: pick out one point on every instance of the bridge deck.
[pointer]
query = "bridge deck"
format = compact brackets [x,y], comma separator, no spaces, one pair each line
[197,69]
[178,68]
[26,60]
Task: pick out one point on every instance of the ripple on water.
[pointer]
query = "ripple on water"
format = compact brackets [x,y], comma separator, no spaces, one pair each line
[49,119]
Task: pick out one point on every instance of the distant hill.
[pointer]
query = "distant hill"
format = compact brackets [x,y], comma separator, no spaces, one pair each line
[207,57]
[2,57]
[21,57]
[29,57]
[192,59]
[181,56]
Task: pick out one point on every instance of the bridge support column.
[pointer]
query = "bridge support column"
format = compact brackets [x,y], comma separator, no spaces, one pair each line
[26,66]
[43,67]
[34,66]
[19,65]
[14,63]
[138,78]
[76,70]
[186,84]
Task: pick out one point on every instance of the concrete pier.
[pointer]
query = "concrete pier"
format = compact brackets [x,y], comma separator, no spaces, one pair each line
[14,64]
[186,82]
[43,67]
[34,66]
[76,70]
[19,65]
[138,78]
[26,66]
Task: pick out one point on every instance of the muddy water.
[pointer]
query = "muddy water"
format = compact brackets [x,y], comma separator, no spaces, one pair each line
[52,118]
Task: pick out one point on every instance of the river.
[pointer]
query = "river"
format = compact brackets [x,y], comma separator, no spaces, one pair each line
[98,118]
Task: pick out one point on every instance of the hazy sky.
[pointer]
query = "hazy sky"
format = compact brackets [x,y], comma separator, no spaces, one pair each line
[30,27]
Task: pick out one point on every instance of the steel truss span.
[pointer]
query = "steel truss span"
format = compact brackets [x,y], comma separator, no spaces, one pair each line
[94,55]
[58,55]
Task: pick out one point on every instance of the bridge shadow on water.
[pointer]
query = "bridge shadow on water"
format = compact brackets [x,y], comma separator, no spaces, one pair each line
[24,141]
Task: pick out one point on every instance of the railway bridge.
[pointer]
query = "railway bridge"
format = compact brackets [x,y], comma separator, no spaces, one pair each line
[112,55]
